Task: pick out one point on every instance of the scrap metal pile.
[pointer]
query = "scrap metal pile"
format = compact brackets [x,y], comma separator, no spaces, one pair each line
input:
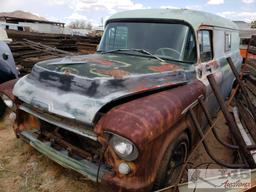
[250,70]
[29,48]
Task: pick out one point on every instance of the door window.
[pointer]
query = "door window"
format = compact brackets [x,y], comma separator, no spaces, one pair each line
[227,42]
[205,45]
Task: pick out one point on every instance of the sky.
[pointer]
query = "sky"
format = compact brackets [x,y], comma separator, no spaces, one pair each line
[95,11]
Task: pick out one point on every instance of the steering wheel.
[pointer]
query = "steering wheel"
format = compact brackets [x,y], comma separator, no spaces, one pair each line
[167,51]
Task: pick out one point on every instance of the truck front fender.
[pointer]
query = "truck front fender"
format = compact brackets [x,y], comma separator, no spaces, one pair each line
[144,119]
[151,123]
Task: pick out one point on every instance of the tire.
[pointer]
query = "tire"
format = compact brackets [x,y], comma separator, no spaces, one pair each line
[171,164]
[2,109]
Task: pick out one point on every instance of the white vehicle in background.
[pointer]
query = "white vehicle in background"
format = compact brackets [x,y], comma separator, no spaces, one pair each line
[8,69]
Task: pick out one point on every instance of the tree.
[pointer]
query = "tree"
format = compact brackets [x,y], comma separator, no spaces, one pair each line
[80,24]
[253,24]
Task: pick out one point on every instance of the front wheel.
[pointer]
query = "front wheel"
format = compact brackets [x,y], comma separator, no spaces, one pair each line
[171,165]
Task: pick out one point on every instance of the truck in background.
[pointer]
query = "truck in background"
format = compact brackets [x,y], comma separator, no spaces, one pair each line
[8,69]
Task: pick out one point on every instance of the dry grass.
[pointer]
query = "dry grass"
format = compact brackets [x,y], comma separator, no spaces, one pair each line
[22,169]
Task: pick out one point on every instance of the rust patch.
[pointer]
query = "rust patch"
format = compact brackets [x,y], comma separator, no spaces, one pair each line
[117,73]
[6,88]
[99,61]
[163,67]
[168,104]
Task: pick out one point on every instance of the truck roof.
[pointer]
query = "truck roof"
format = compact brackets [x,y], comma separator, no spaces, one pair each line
[194,18]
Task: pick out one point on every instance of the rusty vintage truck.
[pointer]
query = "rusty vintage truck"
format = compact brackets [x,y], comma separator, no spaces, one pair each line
[119,116]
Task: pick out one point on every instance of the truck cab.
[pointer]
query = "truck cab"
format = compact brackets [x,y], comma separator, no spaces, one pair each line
[119,116]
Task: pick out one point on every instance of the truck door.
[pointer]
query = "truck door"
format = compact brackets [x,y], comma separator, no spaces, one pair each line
[206,66]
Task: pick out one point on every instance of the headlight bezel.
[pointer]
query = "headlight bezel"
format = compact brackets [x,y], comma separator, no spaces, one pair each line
[115,139]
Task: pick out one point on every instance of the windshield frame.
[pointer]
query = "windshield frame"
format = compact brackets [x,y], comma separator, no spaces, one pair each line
[152,20]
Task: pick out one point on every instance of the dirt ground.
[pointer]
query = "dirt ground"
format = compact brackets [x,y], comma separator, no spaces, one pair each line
[23,169]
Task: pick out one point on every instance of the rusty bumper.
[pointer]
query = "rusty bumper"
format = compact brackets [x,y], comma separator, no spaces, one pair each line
[84,167]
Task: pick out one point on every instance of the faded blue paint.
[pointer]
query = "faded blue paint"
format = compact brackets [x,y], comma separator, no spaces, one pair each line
[194,18]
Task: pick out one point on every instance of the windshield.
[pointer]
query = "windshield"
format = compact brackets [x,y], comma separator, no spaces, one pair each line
[164,40]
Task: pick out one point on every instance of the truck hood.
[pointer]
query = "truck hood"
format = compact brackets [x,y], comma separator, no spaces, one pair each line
[78,87]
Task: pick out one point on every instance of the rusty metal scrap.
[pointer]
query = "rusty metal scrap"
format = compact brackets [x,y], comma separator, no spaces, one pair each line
[207,149]
[48,49]
[211,123]
[27,54]
[233,127]
[247,119]
[242,87]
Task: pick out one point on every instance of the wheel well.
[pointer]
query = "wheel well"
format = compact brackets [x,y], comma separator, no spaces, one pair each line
[159,180]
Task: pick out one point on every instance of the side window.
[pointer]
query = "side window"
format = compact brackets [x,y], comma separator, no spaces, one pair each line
[20,28]
[205,45]
[117,37]
[227,42]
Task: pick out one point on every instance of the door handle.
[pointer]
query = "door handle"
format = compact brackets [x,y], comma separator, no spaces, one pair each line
[208,68]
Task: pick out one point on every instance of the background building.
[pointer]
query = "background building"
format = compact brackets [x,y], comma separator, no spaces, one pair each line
[31,25]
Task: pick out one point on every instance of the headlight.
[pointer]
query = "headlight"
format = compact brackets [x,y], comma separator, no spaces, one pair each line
[124,148]
[8,102]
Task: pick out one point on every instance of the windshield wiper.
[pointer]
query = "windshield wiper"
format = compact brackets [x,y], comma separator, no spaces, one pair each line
[135,50]
[176,60]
